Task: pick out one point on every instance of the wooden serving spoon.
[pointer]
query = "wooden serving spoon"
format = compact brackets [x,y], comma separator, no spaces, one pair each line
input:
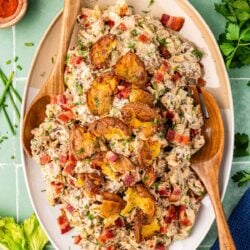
[54,85]
[206,163]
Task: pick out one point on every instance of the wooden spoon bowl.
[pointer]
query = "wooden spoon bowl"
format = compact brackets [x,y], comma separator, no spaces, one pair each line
[54,85]
[206,163]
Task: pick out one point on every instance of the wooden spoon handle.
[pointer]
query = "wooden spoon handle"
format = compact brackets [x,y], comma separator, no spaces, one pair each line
[70,11]
[225,238]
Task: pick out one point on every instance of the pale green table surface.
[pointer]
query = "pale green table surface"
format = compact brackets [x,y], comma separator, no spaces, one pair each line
[14,200]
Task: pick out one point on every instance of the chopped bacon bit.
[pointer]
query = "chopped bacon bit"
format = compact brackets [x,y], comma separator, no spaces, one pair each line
[57,186]
[110,23]
[66,116]
[164,52]
[176,76]
[184,221]
[67,70]
[130,179]
[124,91]
[169,115]
[172,22]
[83,16]
[70,209]
[144,38]
[63,158]
[164,192]
[58,99]
[160,246]
[164,229]
[122,27]
[106,235]
[70,166]
[76,60]
[171,215]
[194,132]
[158,76]
[45,159]
[77,239]
[110,248]
[175,195]
[173,136]
[202,82]
[119,222]
[111,156]
[63,223]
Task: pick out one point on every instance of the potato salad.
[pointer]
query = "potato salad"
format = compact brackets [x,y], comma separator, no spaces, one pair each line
[115,148]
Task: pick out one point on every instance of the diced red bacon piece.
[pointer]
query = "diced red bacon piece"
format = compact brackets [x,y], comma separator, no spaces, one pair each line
[77,239]
[110,23]
[70,166]
[144,38]
[130,179]
[176,76]
[124,91]
[45,159]
[173,136]
[158,76]
[183,219]
[164,229]
[172,22]
[164,192]
[58,99]
[57,187]
[63,158]
[110,248]
[175,195]
[66,116]
[63,223]
[106,235]
[168,115]
[164,52]
[83,16]
[171,214]
[202,82]
[119,222]
[160,246]
[70,208]
[76,60]
[111,156]
[194,132]
[122,27]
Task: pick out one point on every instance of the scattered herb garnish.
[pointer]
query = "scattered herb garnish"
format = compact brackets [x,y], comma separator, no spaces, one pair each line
[134,32]
[16,59]
[248,84]
[81,150]
[242,177]
[145,11]
[13,157]
[3,138]
[29,44]
[131,45]
[90,216]
[8,62]
[235,41]
[241,145]
[150,3]
[19,67]
[199,54]
[97,103]
[162,41]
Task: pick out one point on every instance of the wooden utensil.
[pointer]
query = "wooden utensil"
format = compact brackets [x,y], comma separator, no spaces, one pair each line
[206,163]
[54,85]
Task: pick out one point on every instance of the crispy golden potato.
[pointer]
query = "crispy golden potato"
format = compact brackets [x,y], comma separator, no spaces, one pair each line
[140,95]
[112,204]
[131,69]
[112,165]
[149,230]
[141,117]
[101,50]
[139,197]
[82,143]
[147,152]
[101,94]
[109,128]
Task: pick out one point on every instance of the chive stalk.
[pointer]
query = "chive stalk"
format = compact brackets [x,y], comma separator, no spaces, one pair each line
[6,89]
[8,120]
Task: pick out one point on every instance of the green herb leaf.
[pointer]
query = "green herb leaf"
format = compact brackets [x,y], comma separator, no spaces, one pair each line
[29,44]
[245,35]
[248,84]
[199,54]
[150,3]
[241,145]
[8,62]
[19,67]
[242,177]
[233,32]
[227,48]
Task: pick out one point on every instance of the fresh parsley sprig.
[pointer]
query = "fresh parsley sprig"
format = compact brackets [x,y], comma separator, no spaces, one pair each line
[242,177]
[235,41]
[241,145]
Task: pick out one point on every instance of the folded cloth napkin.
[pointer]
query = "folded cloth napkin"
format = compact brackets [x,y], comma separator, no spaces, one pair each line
[239,223]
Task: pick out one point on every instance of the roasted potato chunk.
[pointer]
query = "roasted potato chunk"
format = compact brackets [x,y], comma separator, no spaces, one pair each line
[147,152]
[112,165]
[141,117]
[110,127]
[101,94]
[82,143]
[140,95]
[131,69]
[139,197]
[101,50]
[112,204]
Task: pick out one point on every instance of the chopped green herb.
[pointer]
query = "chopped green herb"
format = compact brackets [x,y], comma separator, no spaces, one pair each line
[156,121]
[53,59]
[150,3]
[44,190]
[16,59]
[90,216]
[199,54]
[16,126]
[163,41]
[155,86]
[145,11]
[97,103]
[131,45]
[241,145]
[3,138]
[29,44]
[134,32]
[242,177]
[42,74]
[19,67]
[248,84]
[8,62]
[81,150]
[13,157]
